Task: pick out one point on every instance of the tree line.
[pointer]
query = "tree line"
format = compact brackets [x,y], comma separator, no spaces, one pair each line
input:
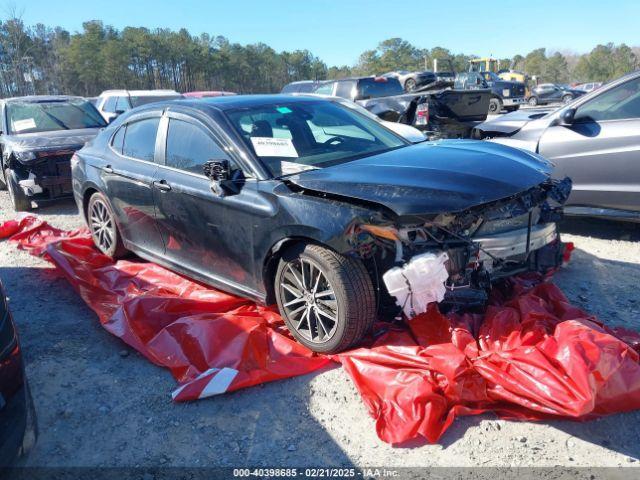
[51,60]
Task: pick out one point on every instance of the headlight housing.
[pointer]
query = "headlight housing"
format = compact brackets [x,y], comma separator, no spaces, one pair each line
[24,155]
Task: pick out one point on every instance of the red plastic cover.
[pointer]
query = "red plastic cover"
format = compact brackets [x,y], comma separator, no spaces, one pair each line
[532,355]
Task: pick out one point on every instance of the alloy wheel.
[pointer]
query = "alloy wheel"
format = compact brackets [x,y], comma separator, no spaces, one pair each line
[309,300]
[102,225]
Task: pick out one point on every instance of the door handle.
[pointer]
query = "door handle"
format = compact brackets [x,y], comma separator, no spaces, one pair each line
[107,169]
[162,185]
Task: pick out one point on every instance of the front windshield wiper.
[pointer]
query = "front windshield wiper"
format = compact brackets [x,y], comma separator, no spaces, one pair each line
[55,119]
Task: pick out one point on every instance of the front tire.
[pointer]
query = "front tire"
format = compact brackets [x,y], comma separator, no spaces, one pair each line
[533,101]
[566,99]
[102,224]
[326,299]
[495,106]
[410,85]
[20,201]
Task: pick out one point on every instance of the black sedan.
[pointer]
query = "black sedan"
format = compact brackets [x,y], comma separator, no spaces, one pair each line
[17,416]
[39,134]
[546,93]
[303,202]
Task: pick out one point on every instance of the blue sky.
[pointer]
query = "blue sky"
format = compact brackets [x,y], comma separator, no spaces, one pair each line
[338,31]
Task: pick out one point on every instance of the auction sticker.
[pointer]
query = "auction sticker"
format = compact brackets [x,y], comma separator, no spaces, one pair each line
[26,124]
[274,147]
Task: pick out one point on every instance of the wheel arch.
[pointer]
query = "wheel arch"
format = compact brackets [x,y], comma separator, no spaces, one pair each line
[275,252]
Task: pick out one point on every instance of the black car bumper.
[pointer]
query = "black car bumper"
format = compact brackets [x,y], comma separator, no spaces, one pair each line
[47,177]
[17,415]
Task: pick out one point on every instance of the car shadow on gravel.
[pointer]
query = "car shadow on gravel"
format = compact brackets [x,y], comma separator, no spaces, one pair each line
[64,206]
[100,403]
[601,228]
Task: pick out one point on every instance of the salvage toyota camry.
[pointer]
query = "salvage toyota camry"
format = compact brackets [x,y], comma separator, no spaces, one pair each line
[306,203]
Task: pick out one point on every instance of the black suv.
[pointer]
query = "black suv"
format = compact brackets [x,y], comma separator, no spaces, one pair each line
[39,134]
[307,203]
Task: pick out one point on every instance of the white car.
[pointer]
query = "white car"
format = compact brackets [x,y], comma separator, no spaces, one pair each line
[112,103]
[407,132]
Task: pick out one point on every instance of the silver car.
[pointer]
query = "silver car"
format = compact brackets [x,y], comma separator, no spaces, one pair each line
[595,140]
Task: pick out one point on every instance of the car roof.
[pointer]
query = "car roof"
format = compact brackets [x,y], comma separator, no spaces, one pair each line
[135,93]
[42,98]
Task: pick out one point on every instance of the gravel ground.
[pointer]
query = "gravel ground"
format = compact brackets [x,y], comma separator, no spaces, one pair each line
[99,403]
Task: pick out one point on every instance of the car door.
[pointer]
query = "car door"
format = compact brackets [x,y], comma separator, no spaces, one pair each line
[600,150]
[208,235]
[128,174]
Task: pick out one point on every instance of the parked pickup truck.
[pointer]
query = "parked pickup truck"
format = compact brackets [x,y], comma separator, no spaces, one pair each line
[439,112]
[504,94]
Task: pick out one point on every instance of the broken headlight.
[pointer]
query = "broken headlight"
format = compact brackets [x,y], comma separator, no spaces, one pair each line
[24,155]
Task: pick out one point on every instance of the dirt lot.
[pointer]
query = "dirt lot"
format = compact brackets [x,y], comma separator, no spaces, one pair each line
[99,403]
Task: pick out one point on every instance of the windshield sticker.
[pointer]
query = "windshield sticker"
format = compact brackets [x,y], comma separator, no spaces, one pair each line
[284,110]
[274,147]
[289,168]
[26,124]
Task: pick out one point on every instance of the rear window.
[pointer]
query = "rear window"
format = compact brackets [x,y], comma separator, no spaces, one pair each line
[379,87]
[32,117]
[144,100]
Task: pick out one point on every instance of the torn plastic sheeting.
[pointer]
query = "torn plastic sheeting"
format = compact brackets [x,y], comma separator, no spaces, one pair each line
[532,355]
[173,321]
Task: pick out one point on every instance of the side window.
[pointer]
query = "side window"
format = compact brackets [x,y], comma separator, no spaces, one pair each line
[345,89]
[325,89]
[140,139]
[619,103]
[189,147]
[122,105]
[118,139]
[109,105]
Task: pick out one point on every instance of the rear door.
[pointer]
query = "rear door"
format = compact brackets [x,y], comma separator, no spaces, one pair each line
[209,235]
[600,151]
[128,175]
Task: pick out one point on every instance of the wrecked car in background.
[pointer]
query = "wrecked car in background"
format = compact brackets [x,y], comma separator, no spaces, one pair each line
[504,94]
[546,93]
[412,80]
[593,139]
[306,203]
[39,136]
[112,103]
[439,111]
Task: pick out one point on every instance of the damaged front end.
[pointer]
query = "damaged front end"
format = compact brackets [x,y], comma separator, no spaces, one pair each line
[42,174]
[453,258]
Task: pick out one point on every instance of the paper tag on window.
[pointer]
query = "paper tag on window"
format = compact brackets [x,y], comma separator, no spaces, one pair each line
[26,124]
[289,168]
[274,147]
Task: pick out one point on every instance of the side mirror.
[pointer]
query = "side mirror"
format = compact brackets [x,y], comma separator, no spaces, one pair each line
[567,117]
[223,180]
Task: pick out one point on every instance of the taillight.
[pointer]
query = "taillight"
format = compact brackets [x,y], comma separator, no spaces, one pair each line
[422,114]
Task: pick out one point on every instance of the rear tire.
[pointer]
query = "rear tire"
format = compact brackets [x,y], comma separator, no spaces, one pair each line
[20,201]
[104,230]
[495,106]
[326,299]
[567,99]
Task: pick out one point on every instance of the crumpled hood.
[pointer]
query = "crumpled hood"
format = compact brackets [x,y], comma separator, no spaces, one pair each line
[50,140]
[431,178]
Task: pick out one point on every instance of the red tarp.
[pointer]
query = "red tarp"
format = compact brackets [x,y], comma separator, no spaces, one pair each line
[532,355]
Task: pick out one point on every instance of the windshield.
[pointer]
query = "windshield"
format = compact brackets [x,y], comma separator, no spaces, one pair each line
[379,87]
[32,117]
[136,101]
[292,137]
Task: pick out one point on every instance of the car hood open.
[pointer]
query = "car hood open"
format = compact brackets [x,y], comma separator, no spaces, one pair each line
[431,178]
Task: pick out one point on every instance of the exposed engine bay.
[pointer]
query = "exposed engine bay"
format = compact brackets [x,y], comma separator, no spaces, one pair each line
[476,247]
